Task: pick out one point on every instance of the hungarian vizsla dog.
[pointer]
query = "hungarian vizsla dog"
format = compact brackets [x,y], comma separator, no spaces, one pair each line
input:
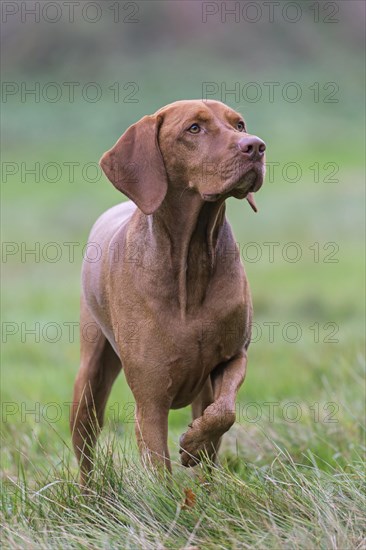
[168,300]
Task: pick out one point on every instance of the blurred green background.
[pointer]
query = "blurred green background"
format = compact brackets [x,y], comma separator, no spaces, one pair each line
[313,196]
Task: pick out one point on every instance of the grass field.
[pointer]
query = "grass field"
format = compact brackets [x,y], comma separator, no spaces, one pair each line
[291,472]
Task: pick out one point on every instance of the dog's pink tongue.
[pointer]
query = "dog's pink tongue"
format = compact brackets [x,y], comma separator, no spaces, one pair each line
[250,199]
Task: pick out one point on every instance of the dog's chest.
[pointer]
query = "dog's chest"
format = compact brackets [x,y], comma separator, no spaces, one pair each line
[198,346]
[174,334]
[181,351]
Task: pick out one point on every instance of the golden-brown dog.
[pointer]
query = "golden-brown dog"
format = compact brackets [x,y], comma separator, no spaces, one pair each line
[168,295]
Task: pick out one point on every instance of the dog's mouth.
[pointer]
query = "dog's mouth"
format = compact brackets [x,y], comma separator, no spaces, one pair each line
[245,188]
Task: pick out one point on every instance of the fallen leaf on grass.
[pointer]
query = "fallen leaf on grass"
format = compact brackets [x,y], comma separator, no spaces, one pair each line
[190,499]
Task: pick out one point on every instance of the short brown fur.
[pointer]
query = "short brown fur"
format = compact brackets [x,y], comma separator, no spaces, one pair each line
[168,294]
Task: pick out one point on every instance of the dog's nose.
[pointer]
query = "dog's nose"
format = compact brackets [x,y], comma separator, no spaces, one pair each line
[252,147]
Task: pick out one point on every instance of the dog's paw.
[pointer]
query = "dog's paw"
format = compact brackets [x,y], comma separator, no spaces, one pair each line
[197,443]
[203,436]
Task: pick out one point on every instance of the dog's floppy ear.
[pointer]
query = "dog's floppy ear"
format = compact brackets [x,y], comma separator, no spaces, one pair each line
[135,165]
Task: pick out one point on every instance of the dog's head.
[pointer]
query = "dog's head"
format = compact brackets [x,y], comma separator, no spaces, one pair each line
[195,146]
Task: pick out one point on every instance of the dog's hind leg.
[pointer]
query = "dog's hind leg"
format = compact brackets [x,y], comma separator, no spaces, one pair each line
[99,368]
[203,399]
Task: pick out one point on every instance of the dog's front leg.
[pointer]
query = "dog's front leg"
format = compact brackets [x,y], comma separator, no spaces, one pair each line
[152,434]
[205,432]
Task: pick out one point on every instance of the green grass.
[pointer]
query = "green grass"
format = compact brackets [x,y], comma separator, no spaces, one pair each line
[279,485]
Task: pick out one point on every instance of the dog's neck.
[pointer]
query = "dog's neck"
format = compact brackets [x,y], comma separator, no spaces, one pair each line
[192,227]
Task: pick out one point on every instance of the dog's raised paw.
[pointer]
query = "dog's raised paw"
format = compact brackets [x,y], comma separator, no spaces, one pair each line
[194,444]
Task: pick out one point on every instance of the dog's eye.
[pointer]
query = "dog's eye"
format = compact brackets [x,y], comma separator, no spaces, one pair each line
[194,129]
[240,126]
